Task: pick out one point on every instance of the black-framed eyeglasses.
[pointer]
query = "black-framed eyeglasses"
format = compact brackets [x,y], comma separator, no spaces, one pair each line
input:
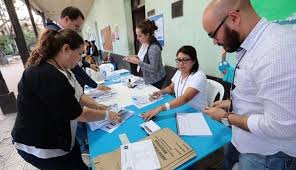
[184,60]
[213,34]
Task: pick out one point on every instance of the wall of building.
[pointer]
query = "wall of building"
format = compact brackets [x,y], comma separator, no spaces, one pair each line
[112,12]
[186,30]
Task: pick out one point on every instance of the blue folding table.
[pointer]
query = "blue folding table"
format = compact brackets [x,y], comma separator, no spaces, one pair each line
[101,142]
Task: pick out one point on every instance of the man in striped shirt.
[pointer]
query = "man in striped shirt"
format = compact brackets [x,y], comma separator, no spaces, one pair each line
[263,117]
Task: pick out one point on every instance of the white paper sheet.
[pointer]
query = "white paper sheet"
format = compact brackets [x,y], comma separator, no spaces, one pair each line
[192,124]
[139,156]
[124,95]
[150,127]
[109,126]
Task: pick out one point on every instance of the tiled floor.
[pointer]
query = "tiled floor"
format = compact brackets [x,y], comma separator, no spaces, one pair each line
[9,158]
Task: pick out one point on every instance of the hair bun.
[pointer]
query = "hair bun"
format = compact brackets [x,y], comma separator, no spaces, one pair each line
[153,25]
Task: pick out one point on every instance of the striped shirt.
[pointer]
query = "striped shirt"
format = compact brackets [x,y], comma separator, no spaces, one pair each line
[265,90]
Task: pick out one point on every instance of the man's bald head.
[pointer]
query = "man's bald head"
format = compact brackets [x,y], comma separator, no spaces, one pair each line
[218,9]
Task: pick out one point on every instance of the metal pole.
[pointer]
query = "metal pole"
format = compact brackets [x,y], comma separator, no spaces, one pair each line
[20,39]
[32,18]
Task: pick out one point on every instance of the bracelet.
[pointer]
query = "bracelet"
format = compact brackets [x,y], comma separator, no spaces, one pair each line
[167,106]
[106,115]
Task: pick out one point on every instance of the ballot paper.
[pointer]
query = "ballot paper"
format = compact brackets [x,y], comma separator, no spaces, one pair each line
[109,126]
[139,96]
[139,156]
[143,100]
[94,93]
[121,71]
[150,127]
[192,124]
[122,96]
[170,149]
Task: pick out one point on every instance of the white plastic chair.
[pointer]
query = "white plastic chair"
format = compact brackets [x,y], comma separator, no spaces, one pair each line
[213,89]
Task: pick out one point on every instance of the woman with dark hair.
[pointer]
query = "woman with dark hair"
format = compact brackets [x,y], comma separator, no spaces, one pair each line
[148,59]
[50,103]
[87,47]
[189,84]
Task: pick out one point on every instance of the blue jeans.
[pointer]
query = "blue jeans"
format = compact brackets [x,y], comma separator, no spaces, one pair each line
[81,137]
[251,161]
[278,161]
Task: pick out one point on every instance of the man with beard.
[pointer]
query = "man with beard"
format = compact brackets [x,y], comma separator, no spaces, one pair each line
[262,106]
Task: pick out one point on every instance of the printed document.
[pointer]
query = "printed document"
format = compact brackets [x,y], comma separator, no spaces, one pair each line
[192,124]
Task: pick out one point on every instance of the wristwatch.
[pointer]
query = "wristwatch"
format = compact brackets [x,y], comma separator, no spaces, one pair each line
[225,121]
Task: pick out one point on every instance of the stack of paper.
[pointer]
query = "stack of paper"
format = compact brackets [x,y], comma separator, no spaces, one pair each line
[121,71]
[170,149]
[139,156]
[150,127]
[192,124]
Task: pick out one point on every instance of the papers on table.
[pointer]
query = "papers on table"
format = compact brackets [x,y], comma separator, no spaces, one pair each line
[192,124]
[139,156]
[121,71]
[150,127]
[108,161]
[125,96]
[170,149]
[99,95]
[94,92]
[109,126]
[122,96]
[141,101]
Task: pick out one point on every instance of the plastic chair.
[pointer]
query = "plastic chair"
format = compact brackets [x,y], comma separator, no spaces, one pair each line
[213,89]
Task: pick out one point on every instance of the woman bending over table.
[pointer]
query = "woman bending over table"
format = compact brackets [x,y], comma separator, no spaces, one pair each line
[50,102]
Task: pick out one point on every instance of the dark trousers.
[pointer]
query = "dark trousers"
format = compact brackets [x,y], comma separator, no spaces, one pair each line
[160,83]
[81,137]
[70,161]
[230,156]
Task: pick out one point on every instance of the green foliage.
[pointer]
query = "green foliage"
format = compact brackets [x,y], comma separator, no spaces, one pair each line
[5,44]
[29,34]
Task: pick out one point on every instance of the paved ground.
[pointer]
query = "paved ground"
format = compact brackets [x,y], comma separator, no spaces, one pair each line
[12,73]
[9,158]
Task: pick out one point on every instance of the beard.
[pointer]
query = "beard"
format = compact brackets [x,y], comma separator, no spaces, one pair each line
[232,42]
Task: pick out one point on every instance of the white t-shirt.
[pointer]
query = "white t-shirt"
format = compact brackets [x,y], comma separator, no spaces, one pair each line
[198,81]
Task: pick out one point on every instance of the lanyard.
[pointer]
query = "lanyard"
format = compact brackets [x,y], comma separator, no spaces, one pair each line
[236,67]
[232,85]
[183,85]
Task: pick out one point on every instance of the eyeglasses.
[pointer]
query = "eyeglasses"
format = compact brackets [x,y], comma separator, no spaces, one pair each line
[213,35]
[184,60]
